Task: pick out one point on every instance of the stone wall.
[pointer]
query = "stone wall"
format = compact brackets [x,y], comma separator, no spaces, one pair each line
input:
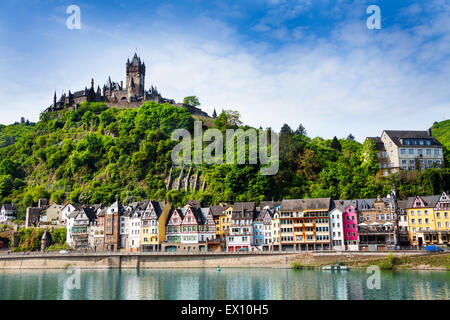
[177,260]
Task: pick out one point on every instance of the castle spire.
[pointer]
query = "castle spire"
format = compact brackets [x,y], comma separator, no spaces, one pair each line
[214,115]
[54,97]
[92,83]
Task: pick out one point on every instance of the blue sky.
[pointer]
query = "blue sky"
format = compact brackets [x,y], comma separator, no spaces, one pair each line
[275,61]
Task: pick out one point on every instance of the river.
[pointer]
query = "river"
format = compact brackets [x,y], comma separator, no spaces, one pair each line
[232,283]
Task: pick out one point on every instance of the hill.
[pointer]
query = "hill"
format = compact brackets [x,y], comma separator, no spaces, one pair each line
[12,133]
[441,131]
[96,154]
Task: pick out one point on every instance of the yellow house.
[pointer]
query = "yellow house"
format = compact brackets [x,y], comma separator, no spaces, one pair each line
[223,222]
[442,219]
[54,213]
[421,218]
[153,225]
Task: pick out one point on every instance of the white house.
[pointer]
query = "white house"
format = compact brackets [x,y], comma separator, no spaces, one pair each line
[8,211]
[66,210]
[267,219]
[207,227]
[336,229]
[241,231]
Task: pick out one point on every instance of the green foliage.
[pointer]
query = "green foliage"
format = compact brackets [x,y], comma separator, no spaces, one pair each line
[387,263]
[191,101]
[441,131]
[96,154]
[59,236]
[228,119]
[12,133]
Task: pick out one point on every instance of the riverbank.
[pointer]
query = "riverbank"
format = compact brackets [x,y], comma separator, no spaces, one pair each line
[396,262]
[178,260]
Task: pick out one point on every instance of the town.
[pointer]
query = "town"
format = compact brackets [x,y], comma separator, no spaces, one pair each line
[383,223]
[380,224]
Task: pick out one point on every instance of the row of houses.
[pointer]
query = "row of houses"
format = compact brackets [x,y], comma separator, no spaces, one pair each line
[382,223]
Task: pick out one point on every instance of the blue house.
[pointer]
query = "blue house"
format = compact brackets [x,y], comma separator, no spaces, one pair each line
[258,229]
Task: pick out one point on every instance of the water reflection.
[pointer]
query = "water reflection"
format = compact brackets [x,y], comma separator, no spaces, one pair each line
[240,283]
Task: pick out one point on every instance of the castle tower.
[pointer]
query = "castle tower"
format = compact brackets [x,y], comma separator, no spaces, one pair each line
[136,72]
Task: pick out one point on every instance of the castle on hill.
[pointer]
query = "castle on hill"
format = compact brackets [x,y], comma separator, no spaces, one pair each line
[132,95]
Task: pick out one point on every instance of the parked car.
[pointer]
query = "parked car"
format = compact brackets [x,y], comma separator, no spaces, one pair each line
[433,249]
[243,249]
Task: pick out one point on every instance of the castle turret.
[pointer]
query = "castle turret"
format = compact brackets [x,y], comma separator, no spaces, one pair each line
[135,77]
[214,115]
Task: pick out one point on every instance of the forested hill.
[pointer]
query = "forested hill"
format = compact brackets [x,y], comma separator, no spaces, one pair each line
[96,154]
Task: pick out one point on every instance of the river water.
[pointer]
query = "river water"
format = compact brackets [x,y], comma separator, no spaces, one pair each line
[233,283]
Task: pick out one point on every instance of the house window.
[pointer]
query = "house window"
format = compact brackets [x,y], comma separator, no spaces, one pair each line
[403,151]
[411,151]
[436,152]
[420,151]
[429,152]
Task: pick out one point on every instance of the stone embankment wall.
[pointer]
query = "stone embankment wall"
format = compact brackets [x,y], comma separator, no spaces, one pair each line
[176,260]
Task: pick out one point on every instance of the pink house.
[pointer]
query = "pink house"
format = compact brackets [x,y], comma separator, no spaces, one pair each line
[350,224]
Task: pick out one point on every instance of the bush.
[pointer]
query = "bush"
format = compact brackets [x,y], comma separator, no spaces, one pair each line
[57,247]
[388,263]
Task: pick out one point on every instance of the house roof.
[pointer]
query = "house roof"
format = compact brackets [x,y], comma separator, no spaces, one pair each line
[270,204]
[9,206]
[403,204]
[217,210]
[305,204]
[430,201]
[397,136]
[246,206]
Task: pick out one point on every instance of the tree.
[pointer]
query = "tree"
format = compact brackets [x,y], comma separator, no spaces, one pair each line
[285,129]
[228,119]
[6,185]
[301,131]
[336,145]
[369,157]
[191,101]
[350,137]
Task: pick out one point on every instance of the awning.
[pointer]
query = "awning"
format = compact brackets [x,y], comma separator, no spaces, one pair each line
[375,224]
[388,224]
[363,224]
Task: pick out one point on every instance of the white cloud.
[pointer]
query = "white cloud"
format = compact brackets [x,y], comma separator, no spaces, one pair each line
[359,81]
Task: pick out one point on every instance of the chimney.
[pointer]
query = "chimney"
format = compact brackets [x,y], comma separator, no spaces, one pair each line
[121,84]
[429,132]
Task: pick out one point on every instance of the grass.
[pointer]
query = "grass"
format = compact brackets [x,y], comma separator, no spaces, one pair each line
[410,262]
[299,266]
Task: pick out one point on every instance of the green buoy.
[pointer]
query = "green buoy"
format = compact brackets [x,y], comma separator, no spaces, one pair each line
[218,269]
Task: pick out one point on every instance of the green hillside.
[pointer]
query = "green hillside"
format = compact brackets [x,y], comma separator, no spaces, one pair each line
[12,133]
[96,154]
[441,131]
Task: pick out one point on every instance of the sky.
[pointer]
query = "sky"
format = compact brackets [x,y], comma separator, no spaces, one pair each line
[275,61]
